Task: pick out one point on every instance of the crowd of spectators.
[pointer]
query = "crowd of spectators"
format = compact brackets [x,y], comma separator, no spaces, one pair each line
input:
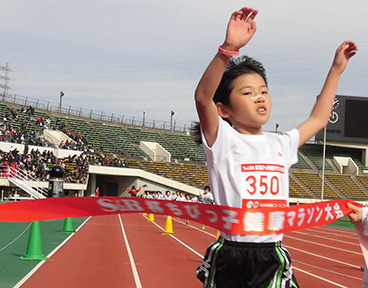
[38,165]
[21,135]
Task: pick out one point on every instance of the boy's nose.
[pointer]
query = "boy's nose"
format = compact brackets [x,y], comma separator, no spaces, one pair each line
[258,99]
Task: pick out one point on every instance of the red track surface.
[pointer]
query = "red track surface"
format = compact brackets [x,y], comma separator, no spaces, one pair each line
[97,255]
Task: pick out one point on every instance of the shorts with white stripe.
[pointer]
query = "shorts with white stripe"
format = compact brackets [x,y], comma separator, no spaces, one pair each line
[230,264]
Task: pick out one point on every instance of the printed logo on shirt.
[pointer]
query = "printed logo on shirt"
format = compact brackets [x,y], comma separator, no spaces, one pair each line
[261,203]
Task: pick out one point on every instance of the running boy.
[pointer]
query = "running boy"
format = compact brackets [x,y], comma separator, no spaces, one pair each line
[245,165]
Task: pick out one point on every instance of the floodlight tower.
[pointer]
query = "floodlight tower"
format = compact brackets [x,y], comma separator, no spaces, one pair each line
[6,79]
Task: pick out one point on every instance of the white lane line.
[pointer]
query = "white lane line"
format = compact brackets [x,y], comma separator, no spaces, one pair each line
[332,231]
[327,270]
[195,228]
[323,245]
[34,270]
[321,278]
[181,242]
[131,258]
[328,238]
[323,257]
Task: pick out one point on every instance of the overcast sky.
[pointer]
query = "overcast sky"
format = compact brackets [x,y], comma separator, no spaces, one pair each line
[126,57]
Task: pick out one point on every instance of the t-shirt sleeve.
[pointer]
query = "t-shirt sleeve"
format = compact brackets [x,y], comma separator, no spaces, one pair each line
[292,139]
[220,143]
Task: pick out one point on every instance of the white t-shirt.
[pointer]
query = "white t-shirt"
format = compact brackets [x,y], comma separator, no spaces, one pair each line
[251,171]
[206,198]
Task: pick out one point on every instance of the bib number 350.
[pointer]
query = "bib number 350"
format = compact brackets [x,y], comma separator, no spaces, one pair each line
[262,184]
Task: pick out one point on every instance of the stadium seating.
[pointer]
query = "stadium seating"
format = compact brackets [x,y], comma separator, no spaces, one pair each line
[296,190]
[192,172]
[302,163]
[314,154]
[165,170]
[150,136]
[188,158]
[93,136]
[187,144]
[347,186]
[121,137]
[314,182]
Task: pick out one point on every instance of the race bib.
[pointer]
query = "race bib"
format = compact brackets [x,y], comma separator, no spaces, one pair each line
[262,185]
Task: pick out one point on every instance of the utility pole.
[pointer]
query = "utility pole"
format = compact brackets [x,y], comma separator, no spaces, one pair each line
[6,79]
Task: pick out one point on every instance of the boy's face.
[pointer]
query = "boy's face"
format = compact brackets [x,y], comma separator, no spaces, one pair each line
[246,111]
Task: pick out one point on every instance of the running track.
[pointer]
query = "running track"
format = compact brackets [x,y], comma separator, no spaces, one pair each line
[127,251]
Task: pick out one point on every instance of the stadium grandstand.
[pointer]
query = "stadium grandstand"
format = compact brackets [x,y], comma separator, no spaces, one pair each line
[113,154]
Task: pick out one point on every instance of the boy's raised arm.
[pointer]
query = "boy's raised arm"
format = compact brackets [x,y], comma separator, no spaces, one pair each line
[323,107]
[240,30]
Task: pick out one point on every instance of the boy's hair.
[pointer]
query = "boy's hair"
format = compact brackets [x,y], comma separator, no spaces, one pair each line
[235,68]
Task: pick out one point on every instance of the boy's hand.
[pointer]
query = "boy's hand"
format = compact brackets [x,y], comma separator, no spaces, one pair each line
[357,214]
[346,50]
[240,29]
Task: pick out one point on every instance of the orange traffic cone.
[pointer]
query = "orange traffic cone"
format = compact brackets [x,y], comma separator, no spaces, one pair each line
[168,226]
[151,218]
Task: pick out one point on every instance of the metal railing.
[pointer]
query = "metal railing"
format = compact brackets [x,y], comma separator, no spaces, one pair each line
[94,115]
[27,182]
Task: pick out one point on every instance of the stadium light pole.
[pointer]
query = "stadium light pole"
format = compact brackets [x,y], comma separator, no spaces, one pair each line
[61,100]
[323,163]
[171,120]
[144,118]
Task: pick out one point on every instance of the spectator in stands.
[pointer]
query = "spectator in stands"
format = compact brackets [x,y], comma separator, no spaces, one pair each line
[167,195]
[146,195]
[176,196]
[160,196]
[181,197]
[206,196]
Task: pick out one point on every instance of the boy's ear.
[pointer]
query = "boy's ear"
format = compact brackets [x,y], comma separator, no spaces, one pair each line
[222,110]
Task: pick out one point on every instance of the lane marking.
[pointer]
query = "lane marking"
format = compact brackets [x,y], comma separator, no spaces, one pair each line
[201,230]
[324,245]
[318,277]
[181,242]
[329,238]
[323,257]
[323,229]
[130,254]
[327,270]
[34,270]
